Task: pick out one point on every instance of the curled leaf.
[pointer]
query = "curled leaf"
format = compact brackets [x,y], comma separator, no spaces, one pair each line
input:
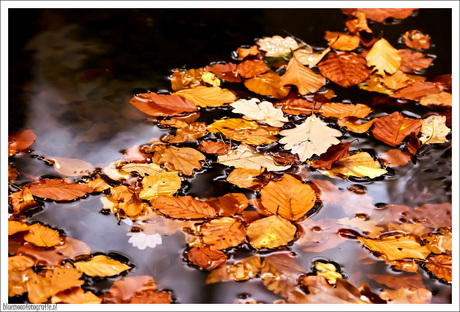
[342,41]
[207,258]
[415,39]
[302,77]
[245,131]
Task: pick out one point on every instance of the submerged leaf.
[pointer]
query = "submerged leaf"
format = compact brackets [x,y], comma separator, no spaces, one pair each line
[340,110]
[414,39]
[227,72]
[207,258]
[407,295]
[239,271]
[441,266]
[277,46]
[76,296]
[21,141]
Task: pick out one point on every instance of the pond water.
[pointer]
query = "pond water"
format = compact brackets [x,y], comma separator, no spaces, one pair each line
[73,72]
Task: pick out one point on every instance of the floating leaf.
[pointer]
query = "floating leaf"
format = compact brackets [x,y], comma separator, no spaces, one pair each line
[239,271]
[358,25]
[251,68]
[186,79]
[355,125]
[342,41]
[381,14]
[207,258]
[309,58]
[270,232]
[369,228]
[397,248]
[358,165]
[407,295]
[398,281]
[21,141]
[418,90]
[162,105]
[184,207]
[443,100]
[245,157]
[268,84]
[98,184]
[243,52]
[142,169]
[288,198]
[101,266]
[395,158]
[16,227]
[277,46]
[207,96]
[42,236]
[394,128]
[439,243]
[75,296]
[161,184]
[300,106]
[215,148]
[227,72]
[142,240]
[12,173]
[229,204]
[302,77]
[413,61]
[249,132]
[246,178]
[310,138]
[136,289]
[339,110]
[264,111]
[440,266]
[182,159]
[223,233]
[186,132]
[396,81]
[415,39]
[71,167]
[328,271]
[22,201]
[333,153]
[58,189]
[383,57]
[279,273]
[73,249]
[344,68]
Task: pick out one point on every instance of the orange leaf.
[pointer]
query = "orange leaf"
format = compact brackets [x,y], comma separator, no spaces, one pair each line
[128,287]
[270,232]
[394,128]
[223,233]
[302,77]
[396,81]
[98,184]
[251,68]
[182,159]
[207,96]
[20,263]
[342,41]
[397,248]
[380,15]
[407,295]
[344,68]
[101,266]
[73,249]
[269,84]
[12,173]
[333,153]
[186,79]
[42,236]
[418,90]
[70,166]
[229,204]
[288,198]
[413,61]
[184,207]
[300,106]
[354,124]
[42,256]
[215,148]
[280,272]
[227,72]
[19,142]
[58,189]
[441,266]
[340,110]
[206,258]
[414,39]
[16,227]
[245,131]
[243,52]
[162,105]
[247,178]
[395,158]
[443,99]
[22,201]
[383,57]
[76,296]
[239,271]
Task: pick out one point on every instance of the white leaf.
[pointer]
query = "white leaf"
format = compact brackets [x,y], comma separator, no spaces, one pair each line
[264,111]
[142,240]
[311,137]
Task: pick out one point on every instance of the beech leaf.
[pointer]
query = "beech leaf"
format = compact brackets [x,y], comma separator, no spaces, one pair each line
[184,207]
[342,41]
[162,105]
[182,159]
[383,57]
[207,96]
[394,128]
[358,165]
[264,111]
[397,248]
[161,184]
[340,110]
[407,295]
[251,68]
[58,189]
[345,69]
[22,201]
[215,148]
[277,46]
[75,296]
[227,72]
[415,39]
[246,178]
[207,258]
[355,125]
[333,153]
[19,142]
[269,84]
[280,272]
[418,90]
[238,271]
[302,77]
[223,233]
[101,266]
[412,61]
[42,236]
[441,266]
[270,232]
[70,166]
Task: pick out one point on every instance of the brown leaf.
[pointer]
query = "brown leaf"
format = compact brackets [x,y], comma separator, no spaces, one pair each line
[418,90]
[333,153]
[42,256]
[414,39]
[223,233]
[342,41]
[396,81]
[16,227]
[101,266]
[380,15]
[58,189]
[269,84]
[207,96]
[270,232]
[394,128]
[245,52]
[182,159]
[239,271]
[300,106]
[207,258]
[407,295]
[75,296]
[355,125]
[247,178]
[441,266]
[442,100]
[395,158]
[184,207]
[413,61]
[20,263]
[229,204]
[344,68]
[42,236]
[340,110]
[395,248]
[358,165]
[22,201]
[20,141]
[186,79]
[288,198]
[398,281]
[367,227]
[150,297]
[227,72]
[302,77]
[71,167]
[358,25]
[251,68]
[434,216]
[124,289]
[215,148]
[445,80]
[162,105]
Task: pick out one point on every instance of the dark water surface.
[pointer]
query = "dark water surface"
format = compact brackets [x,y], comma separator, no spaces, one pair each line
[73,72]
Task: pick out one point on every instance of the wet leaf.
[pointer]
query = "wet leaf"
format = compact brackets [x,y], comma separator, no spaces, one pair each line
[358,165]
[249,132]
[369,228]
[20,141]
[395,158]
[58,189]
[438,243]
[264,111]
[162,105]
[101,266]
[328,271]
[161,184]
[344,68]
[342,41]
[227,72]
[412,62]
[207,258]
[268,84]
[215,148]
[42,236]
[339,110]
[381,14]
[246,178]
[309,58]
[142,169]
[186,79]
[441,266]
[383,57]
[407,295]
[42,256]
[310,138]
[395,248]
[243,52]
[443,100]
[394,128]
[251,68]
[20,263]
[229,204]
[418,90]
[98,184]
[238,271]
[358,25]
[223,233]
[333,153]
[355,125]
[207,96]
[73,249]
[279,273]
[182,159]
[71,167]
[270,232]
[277,46]
[396,81]
[12,173]
[75,296]
[300,106]
[16,227]
[319,235]
[288,198]
[22,201]
[302,77]
[187,133]
[415,39]
[246,157]
[398,281]
[184,207]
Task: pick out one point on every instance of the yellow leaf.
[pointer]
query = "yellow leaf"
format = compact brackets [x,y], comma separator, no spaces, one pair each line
[397,248]
[161,184]
[16,227]
[143,169]
[359,165]
[384,57]
[223,233]
[328,271]
[270,232]
[302,77]
[20,263]
[101,266]
[342,41]
[98,184]
[207,96]
[269,84]
[245,178]
[211,79]
[309,58]
[249,132]
[42,236]
[396,81]
[76,296]
[191,78]
[434,130]
[355,125]
[288,198]
[182,159]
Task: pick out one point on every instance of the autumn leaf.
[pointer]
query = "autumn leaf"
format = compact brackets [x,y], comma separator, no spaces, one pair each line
[277,46]
[319,235]
[20,141]
[245,52]
[302,77]
[101,266]
[22,201]
[184,207]
[215,148]
[443,100]
[246,157]
[75,296]
[223,233]
[413,61]
[398,281]
[270,232]
[342,41]
[268,84]
[207,96]
[12,173]
[333,153]
[182,159]
[309,58]
[288,198]
[407,295]
[340,110]
[394,128]
[227,72]
[161,184]
[264,111]
[415,39]
[186,133]
[142,169]
[238,271]
[229,204]
[395,158]
[249,132]
[358,165]
[16,227]
[162,105]
[207,258]
[246,178]
[300,106]
[440,266]
[42,236]
[418,90]
[381,14]
[328,271]
[71,167]
[186,79]
[355,125]
[73,249]
[369,228]
[396,81]
[251,68]
[383,57]
[279,273]
[439,243]
[58,189]
[358,25]
[309,138]
[395,248]
[344,68]
[98,184]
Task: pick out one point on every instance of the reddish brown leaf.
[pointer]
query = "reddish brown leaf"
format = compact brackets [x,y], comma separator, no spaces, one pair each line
[407,296]
[395,158]
[20,141]
[184,207]
[445,80]
[344,68]
[12,173]
[434,216]
[319,235]
[150,297]
[306,80]
[333,153]
[215,148]
[162,105]
[186,79]
[413,61]
[394,128]
[280,272]
[441,266]
[58,189]
[414,39]
[300,106]
[268,83]
[227,72]
[251,68]
[418,90]
[207,258]
[42,256]
[379,15]
[355,125]
[398,281]
[229,204]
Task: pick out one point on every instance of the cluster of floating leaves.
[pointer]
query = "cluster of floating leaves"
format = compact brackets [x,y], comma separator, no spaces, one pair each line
[286,104]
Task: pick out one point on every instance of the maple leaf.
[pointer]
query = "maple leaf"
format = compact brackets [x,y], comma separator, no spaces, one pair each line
[245,131]
[161,184]
[394,128]
[270,232]
[269,84]
[58,189]
[207,96]
[345,69]
[21,141]
[101,266]
[395,158]
[340,110]
[277,46]
[42,236]
[310,138]
[288,198]
[162,105]
[245,157]
[333,153]
[383,57]
[206,257]
[413,61]
[302,77]
[184,207]
[415,39]
[342,41]
[239,271]
[70,166]
[264,111]
[358,165]
[355,125]
[75,296]
[215,148]
[251,68]
[223,233]
[182,159]
[395,248]
[407,295]
[227,72]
